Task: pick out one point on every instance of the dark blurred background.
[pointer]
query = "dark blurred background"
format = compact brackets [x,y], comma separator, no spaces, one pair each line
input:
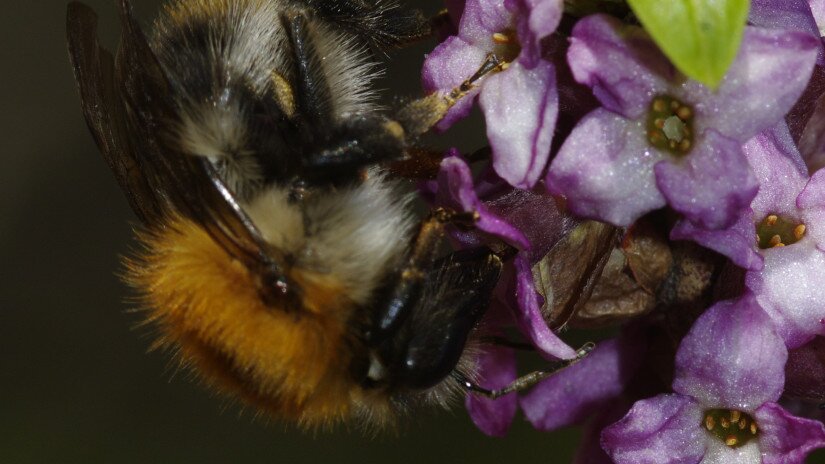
[76,383]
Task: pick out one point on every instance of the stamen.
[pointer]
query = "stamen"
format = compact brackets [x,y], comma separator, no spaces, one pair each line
[670,125]
[777,231]
[725,422]
[776,240]
[659,105]
[730,426]
[506,45]
[500,38]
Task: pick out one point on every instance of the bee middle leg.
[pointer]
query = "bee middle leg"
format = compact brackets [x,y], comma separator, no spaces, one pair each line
[398,299]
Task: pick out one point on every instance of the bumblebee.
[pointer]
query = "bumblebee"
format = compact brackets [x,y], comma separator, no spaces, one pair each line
[280,257]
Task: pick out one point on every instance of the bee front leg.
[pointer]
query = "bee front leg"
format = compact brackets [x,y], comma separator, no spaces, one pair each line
[420,116]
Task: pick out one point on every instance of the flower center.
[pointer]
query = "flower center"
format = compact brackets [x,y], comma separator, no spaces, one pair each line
[506,45]
[776,231]
[670,125]
[734,428]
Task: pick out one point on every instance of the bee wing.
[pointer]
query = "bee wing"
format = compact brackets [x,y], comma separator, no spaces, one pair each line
[94,71]
[126,103]
[381,23]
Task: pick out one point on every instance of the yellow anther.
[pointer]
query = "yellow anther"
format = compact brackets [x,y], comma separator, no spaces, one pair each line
[674,105]
[709,422]
[735,415]
[672,144]
[684,113]
[753,428]
[731,440]
[776,240]
[725,422]
[500,38]
[771,220]
[684,145]
[659,123]
[799,231]
[778,245]
[659,105]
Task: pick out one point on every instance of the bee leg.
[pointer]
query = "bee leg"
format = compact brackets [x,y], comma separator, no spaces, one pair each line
[429,342]
[524,382]
[313,97]
[398,299]
[419,116]
[335,151]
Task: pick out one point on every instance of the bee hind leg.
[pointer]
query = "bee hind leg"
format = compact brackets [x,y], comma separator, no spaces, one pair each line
[524,382]
[398,299]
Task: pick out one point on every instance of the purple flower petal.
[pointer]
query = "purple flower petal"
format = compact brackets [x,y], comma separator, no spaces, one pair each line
[535,213]
[719,453]
[590,451]
[805,371]
[481,19]
[818,10]
[445,68]
[661,430]
[812,203]
[784,438]
[456,190]
[731,358]
[778,166]
[497,369]
[812,140]
[585,388]
[537,20]
[749,100]
[790,290]
[736,242]
[520,107]
[545,16]
[619,62]
[528,314]
[711,185]
[605,169]
[786,14]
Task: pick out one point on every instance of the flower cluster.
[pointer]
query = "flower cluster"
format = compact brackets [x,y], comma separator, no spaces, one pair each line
[714,203]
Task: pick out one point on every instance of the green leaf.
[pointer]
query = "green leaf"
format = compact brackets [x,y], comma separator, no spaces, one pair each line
[701,37]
